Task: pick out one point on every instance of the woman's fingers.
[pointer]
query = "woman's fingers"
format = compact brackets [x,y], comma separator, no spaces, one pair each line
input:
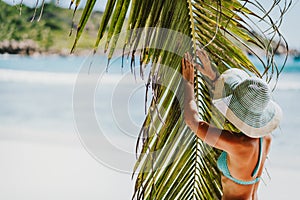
[187,70]
[199,67]
[201,53]
[183,64]
[190,58]
[188,64]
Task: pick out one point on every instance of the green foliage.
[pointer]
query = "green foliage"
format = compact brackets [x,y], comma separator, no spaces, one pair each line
[50,32]
[15,26]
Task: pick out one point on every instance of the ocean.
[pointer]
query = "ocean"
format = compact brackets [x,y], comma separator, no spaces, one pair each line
[48,145]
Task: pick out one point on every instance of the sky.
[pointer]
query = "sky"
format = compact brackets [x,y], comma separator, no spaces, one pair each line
[290,28]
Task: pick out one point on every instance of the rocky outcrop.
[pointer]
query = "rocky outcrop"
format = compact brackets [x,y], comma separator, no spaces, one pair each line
[25,47]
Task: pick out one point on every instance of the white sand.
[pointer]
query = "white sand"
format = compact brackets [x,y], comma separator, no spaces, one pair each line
[58,167]
[283,185]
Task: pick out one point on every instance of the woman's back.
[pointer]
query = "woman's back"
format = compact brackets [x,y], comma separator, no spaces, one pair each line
[241,166]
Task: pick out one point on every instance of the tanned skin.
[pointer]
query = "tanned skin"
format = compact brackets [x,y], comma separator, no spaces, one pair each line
[243,151]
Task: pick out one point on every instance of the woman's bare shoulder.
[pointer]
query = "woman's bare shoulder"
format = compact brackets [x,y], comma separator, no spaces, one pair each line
[238,143]
[268,141]
[247,145]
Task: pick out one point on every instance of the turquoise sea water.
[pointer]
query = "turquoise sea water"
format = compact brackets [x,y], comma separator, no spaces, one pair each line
[36,105]
[37,91]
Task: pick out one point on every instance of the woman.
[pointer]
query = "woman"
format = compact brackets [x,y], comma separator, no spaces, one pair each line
[246,103]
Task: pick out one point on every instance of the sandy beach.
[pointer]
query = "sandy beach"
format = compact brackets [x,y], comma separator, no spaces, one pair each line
[56,167]
[52,170]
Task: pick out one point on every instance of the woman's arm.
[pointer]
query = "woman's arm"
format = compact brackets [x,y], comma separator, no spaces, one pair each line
[213,136]
[201,128]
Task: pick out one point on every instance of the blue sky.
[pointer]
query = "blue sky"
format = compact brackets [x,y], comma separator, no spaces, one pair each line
[290,28]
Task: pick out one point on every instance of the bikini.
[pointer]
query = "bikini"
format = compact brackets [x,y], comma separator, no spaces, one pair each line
[223,167]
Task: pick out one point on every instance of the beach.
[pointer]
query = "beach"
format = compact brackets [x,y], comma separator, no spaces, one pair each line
[42,152]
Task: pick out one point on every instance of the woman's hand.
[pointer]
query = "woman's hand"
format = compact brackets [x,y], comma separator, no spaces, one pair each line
[187,66]
[206,69]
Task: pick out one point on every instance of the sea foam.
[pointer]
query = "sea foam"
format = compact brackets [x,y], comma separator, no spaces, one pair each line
[61,78]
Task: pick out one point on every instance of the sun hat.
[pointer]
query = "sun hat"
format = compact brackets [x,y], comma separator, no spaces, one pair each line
[247,103]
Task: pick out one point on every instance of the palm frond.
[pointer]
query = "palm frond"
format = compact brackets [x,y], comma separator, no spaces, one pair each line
[172,163]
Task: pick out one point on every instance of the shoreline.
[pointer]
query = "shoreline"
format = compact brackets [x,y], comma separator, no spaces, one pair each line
[31,48]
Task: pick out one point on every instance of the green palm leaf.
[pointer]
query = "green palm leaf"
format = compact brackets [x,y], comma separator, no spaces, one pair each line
[172,162]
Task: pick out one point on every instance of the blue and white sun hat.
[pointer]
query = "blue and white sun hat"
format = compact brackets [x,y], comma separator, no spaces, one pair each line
[247,103]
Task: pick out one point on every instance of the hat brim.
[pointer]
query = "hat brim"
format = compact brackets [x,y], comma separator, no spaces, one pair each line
[251,124]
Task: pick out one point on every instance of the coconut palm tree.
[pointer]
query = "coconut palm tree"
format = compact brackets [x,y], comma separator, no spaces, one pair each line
[172,163]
